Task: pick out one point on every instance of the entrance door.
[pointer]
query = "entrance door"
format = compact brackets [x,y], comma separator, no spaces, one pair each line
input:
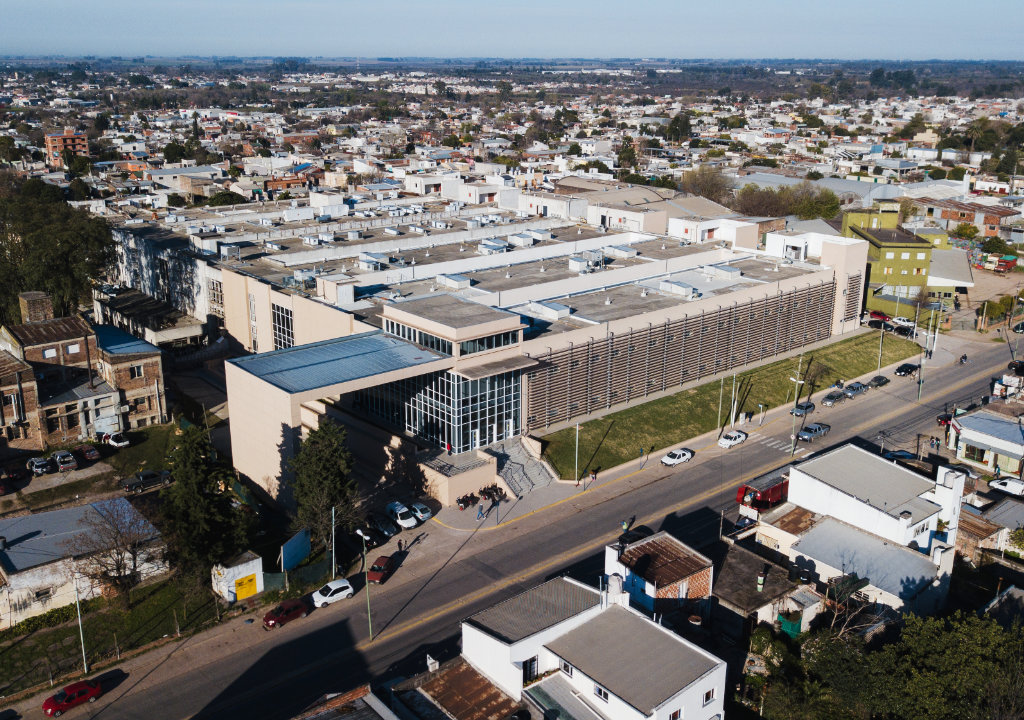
[529,670]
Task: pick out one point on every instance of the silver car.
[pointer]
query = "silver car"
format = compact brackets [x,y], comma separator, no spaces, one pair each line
[854,389]
[836,396]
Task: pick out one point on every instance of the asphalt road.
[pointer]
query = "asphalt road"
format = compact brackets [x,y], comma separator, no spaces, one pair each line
[242,671]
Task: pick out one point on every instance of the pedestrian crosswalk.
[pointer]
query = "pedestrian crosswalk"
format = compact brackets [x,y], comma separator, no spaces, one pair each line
[780,444]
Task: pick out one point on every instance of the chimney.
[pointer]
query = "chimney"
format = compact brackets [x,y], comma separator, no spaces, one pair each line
[35,306]
[3,543]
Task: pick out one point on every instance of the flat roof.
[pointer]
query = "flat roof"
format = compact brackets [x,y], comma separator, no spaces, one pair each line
[536,609]
[451,311]
[882,484]
[736,579]
[896,569]
[117,342]
[638,661]
[329,362]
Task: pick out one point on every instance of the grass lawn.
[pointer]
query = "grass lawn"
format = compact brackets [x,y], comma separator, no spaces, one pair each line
[148,450]
[618,437]
[29,659]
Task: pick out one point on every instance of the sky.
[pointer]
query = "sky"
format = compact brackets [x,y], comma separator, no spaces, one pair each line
[848,30]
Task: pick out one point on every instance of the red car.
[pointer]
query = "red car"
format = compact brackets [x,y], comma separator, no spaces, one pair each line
[284,613]
[380,570]
[74,694]
[879,315]
[944,419]
[88,452]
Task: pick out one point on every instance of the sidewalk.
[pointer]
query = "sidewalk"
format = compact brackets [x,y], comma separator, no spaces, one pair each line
[45,482]
[947,352]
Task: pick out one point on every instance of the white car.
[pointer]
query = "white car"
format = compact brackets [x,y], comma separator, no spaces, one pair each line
[731,438]
[117,440]
[420,511]
[1013,486]
[332,592]
[401,515]
[902,322]
[676,457]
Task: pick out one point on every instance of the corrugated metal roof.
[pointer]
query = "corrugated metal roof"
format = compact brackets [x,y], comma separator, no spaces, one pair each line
[662,559]
[640,663]
[117,342]
[536,609]
[993,425]
[35,540]
[50,331]
[316,365]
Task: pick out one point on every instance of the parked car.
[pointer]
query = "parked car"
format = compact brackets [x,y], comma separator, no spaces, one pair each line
[142,481]
[907,332]
[1016,367]
[854,389]
[382,524]
[400,514]
[420,511]
[87,452]
[814,430]
[836,396]
[677,457]
[369,536]
[879,315]
[118,440]
[41,466]
[732,438]
[907,370]
[64,461]
[881,325]
[284,613]
[901,321]
[944,419]
[802,409]
[878,381]
[380,570]
[72,695]
[332,592]
[900,455]
[1013,486]
[1018,328]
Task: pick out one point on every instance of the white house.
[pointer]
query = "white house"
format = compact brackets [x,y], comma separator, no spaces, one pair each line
[563,645]
[988,440]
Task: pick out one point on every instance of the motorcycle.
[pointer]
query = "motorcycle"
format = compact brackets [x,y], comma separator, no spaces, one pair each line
[963,359]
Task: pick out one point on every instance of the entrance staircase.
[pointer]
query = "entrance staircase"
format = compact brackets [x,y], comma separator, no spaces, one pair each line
[518,468]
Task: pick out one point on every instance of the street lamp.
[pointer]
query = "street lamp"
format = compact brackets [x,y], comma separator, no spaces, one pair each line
[366,582]
[796,397]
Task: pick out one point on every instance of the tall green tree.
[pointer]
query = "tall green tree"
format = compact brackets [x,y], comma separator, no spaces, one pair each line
[322,480]
[199,523]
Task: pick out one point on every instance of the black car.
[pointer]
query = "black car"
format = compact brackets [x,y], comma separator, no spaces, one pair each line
[368,535]
[881,325]
[903,331]
[907,370]
[382,524]
[836,396]
[878,381]
[145,480]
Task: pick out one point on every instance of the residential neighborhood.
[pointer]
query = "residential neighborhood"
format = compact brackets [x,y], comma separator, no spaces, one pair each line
[424,388]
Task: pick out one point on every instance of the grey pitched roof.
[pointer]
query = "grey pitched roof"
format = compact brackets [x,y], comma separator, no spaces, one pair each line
[1008,512]
[951,265]
[637,661]
[880,483]
[536,609]
[994,425]
[896,569]
[34,540]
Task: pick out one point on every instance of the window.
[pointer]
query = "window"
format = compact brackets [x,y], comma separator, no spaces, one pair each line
[887,271]
[73,349]
[50,353]
[216,291]
[903,272]
[974,454]
[920,256]
[135,372]
[709,696]
[890,255]
[601,692]
[904,256]
[567,668]
[676,714]
[44,594]
[281,326]
[920,271]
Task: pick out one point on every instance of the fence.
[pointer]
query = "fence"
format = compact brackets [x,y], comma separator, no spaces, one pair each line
[305,575]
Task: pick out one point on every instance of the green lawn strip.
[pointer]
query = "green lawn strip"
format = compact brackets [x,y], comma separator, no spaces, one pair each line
[148,450]
[617,438]
[28,660]
[52,496]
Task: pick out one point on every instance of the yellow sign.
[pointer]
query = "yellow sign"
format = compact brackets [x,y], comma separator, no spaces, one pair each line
[245,587]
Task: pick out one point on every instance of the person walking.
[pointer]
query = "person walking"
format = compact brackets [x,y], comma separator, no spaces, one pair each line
[399,545]
[480,511]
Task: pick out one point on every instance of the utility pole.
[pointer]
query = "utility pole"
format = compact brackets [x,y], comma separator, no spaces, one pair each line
[721,392]
[881,337]
[576,477]
[334,557]
[366,571]
[81,634]
[732,403]
[797,382]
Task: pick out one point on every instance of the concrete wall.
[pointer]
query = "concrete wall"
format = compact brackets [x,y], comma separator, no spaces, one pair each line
[447,490]
[490,657]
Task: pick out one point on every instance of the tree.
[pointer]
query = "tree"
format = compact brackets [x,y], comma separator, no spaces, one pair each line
[174,152]
[226,197]
[116,545]
[78,189]
[176,200]
[322,480]
[706,182]
[967,231]
[574,149]
[877,77]
[995,246]
[504,89]
[200,525]
[626,158]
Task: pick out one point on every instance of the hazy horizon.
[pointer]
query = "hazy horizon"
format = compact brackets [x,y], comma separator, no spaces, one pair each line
[912,30]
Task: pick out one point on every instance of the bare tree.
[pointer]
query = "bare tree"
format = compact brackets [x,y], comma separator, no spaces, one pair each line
[116,543]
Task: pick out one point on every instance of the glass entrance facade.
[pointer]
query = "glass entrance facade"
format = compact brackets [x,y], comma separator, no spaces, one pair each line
[443,407]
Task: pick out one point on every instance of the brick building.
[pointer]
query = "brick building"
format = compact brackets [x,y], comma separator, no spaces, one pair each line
[70,141]
[63,380]
[660,573]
